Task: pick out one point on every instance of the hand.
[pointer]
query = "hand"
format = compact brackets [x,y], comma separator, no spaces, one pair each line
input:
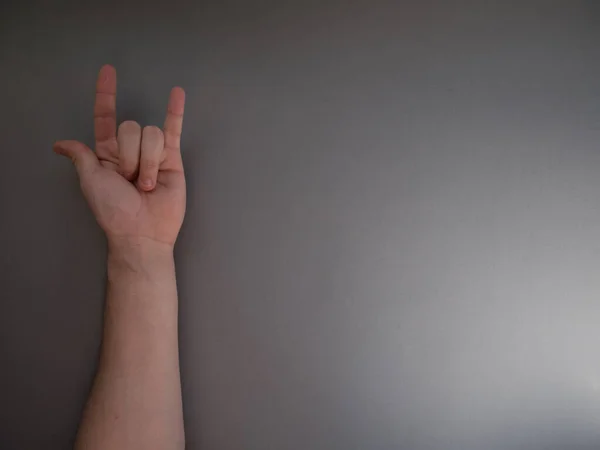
[134,182]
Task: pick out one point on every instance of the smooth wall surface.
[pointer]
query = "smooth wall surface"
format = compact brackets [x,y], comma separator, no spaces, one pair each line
[393,228]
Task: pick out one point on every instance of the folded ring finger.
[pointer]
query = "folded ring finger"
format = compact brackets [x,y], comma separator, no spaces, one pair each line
[152,155]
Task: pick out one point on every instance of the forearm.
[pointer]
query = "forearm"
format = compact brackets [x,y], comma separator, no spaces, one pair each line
[136,397]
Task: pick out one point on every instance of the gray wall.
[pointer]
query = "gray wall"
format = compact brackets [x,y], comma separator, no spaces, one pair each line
[393,228]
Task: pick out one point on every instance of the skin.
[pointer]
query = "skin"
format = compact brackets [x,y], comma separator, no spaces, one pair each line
[134,184]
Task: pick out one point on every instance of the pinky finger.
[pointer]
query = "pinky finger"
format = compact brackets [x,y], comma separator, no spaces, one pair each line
[174,119]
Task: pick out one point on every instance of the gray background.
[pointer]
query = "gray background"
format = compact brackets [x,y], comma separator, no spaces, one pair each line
[393,228]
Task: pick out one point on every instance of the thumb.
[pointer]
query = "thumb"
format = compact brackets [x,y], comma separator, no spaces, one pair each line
[83,157]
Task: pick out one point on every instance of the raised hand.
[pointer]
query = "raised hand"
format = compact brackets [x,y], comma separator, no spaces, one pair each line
[134,181]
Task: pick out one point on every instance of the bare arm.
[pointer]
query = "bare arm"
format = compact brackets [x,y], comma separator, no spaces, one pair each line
[136,398]
[135,186]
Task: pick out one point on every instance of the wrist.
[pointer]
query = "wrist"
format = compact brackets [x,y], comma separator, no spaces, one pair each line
[138,254]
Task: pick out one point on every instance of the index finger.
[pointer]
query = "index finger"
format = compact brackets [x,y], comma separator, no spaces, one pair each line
[105,111]
[174,119]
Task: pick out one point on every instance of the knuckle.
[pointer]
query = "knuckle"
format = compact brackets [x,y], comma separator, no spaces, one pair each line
[173,129]
[149,165]
[153,130]
[127,170]
[129,126]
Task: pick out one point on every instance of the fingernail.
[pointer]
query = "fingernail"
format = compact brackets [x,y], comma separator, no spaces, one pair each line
[147,183]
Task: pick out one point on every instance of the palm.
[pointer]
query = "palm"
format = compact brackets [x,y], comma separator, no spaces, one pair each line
[134,183]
